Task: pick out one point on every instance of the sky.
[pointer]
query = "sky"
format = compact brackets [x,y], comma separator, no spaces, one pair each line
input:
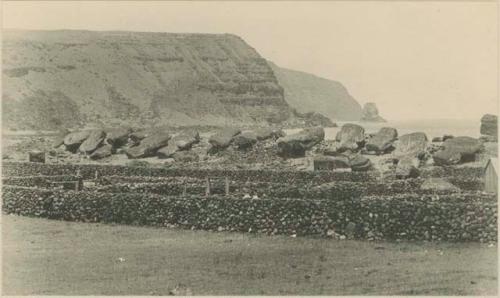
[415,60]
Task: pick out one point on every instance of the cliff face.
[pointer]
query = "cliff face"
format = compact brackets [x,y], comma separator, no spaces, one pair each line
[308,93]
[82,78]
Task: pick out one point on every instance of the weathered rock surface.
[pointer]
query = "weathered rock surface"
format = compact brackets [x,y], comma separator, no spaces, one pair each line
[223,138]
[149,145]
[457,150]
[382,141]
[407,167]
[186,140]
[370,113]
[438,185]
[117,137]
[412,144]
[245,140]
[137,136]
[59,139]
[295,145]
[359,162]
[334,162]
[102,152]
[489,125]
[350,137]
[167,151]
[73,140]
[93,141]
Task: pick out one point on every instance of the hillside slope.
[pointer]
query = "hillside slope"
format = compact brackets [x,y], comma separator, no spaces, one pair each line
[83,78]
[308,93]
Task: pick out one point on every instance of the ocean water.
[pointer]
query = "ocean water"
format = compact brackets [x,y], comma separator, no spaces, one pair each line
[432,128]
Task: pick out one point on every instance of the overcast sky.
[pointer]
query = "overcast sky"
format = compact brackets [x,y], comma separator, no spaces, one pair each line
[415,60]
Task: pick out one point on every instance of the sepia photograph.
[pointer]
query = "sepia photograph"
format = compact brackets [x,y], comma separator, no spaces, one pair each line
[264,148]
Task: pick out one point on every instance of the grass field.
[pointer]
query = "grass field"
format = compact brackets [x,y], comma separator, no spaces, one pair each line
[43,257]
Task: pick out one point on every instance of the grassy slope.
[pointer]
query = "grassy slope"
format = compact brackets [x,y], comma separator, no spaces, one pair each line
[49,257]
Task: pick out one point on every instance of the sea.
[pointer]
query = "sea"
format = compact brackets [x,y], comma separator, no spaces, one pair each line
[432,128]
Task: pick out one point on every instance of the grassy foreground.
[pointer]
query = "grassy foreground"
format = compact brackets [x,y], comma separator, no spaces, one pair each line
[43,257]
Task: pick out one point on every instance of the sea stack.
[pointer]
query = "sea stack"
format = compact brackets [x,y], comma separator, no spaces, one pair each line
[370,113]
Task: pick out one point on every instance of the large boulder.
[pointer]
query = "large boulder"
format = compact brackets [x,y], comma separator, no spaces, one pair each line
[412,145]
[322,163]
[457,150]
[102,152]
[407,167]
[149,145]
[268,133]
[137,136]
[245,140]
[382,141]
[489,124]
[167,151]
[295,145]
[438,185]
[370,113]
[223,138]
[73,140]
[117,137]
[186,140]
[359,162]
[59,138]
[350,137]
[93,141]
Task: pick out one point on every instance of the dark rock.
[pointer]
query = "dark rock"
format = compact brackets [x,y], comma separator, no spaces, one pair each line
[93,141]
[359,162]
[412,144]
[117,137]
[245,140]
[407,167]
[73,140]
[223,138]
[59,139]
[149,145]
[370,113]
[102,152]
[331,162]
[185,156]
[457,150]
[489,125]
[437,139]
[36,156]
[295,145]
[438,184]
[382,141]
[350,137]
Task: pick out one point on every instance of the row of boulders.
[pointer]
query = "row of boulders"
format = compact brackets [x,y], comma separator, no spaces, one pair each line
[143,143]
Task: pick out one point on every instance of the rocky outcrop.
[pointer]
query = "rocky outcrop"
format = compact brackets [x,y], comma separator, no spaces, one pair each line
[489,125]
[382,141]
[350,137]
[314,119]
[73,140]
[148,146]
[412,144]
[457,150]
[92,142]
[370,113]
[295,145]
